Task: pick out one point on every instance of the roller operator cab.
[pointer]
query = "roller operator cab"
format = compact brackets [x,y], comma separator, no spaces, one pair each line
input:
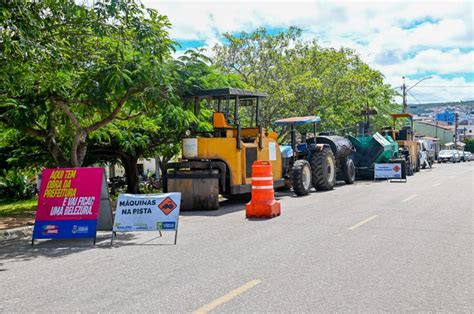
[220,161]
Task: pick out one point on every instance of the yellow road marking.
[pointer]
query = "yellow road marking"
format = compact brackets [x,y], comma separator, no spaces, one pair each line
[362,222]
[225,298]
[409,198]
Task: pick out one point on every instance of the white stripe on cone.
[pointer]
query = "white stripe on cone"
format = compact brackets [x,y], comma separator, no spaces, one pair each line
[261,178]
[262,187]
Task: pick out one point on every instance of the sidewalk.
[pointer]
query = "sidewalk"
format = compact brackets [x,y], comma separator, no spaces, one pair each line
[10,234]
[16,226]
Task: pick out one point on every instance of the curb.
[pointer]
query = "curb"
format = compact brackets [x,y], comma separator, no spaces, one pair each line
[16,233]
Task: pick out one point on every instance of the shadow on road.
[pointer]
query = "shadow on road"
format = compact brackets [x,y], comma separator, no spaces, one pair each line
[225,207]
[22,250]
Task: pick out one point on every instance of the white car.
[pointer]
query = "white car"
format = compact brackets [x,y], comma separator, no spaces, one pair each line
[468,156]
[448,155]
[464,155]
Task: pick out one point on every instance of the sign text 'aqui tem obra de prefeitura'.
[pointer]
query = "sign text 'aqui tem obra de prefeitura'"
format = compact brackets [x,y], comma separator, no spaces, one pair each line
[69,203]
[147,212]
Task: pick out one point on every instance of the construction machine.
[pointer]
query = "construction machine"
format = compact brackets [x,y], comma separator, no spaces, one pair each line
[318,160]
[405,138]
[372,147]
[220,161]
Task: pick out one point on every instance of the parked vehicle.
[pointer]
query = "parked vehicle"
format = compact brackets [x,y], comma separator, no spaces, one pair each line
[463,155]
[220,161]
[449,155]
[409,147]
[424,160]
[469,156]
[428,153]
[319,160]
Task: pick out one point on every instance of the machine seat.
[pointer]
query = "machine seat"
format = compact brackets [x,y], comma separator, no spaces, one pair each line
[219,121]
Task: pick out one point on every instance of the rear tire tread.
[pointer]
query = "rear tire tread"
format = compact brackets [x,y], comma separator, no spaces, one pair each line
[319,174]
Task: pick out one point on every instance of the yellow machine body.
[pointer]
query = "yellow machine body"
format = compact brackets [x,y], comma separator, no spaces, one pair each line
[414,147]
[220,161]
[409,142]
[239,161]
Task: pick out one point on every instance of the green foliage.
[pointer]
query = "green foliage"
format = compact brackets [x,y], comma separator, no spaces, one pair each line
[20,151]
[469,145]
[69,69]
[14,184]
[303,78]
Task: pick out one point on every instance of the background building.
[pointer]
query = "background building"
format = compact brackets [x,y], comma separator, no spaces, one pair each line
[444,132]
[446,117]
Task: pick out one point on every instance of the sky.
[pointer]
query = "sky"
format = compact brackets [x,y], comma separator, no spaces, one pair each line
[415,39]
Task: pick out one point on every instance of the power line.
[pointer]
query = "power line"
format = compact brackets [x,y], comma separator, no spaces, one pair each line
[441,86]
[431,96]
[446,86]
[414,97]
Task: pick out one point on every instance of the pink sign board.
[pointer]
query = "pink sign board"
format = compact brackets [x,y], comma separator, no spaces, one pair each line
[68,203]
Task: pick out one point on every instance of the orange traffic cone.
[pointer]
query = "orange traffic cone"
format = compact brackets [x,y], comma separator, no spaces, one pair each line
[263,203]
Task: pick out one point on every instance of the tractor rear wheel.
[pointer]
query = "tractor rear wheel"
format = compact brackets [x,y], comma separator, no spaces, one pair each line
[301,177]
[323,168]
[348,171]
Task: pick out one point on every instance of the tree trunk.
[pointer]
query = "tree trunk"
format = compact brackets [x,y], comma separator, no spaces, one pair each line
[78,148]
[131,173]
[158,171]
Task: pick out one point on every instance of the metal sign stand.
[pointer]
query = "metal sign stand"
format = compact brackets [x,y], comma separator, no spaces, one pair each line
[176,231]
[114,235]
[398,181]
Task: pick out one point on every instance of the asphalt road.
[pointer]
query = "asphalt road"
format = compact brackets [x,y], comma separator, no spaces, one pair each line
[372,246]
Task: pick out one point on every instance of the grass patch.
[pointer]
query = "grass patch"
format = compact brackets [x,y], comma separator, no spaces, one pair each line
[11,208]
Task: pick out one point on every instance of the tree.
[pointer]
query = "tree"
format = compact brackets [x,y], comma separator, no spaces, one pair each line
[469,145]
[69,70]
[158,131]
[303,78]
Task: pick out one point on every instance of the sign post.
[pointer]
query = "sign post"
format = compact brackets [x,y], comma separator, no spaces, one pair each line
[69,204]
[147,212]
[388,171]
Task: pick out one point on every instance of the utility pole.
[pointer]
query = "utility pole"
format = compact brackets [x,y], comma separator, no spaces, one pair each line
[455,130]
[404,89]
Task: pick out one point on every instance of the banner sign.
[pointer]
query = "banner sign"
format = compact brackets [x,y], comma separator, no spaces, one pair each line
[388,171]
[147,212]
[68,203]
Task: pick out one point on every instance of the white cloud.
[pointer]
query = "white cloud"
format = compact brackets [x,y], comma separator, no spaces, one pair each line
[396,37]
[431,60]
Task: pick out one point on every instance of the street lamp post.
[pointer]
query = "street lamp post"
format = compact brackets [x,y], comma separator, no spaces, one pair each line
[406,90]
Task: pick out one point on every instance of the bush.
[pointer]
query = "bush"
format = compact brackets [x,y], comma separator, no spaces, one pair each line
[469,145]
[14,184]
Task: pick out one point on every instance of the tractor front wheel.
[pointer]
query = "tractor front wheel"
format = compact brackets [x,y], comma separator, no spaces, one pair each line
[301,177]
[323,168]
